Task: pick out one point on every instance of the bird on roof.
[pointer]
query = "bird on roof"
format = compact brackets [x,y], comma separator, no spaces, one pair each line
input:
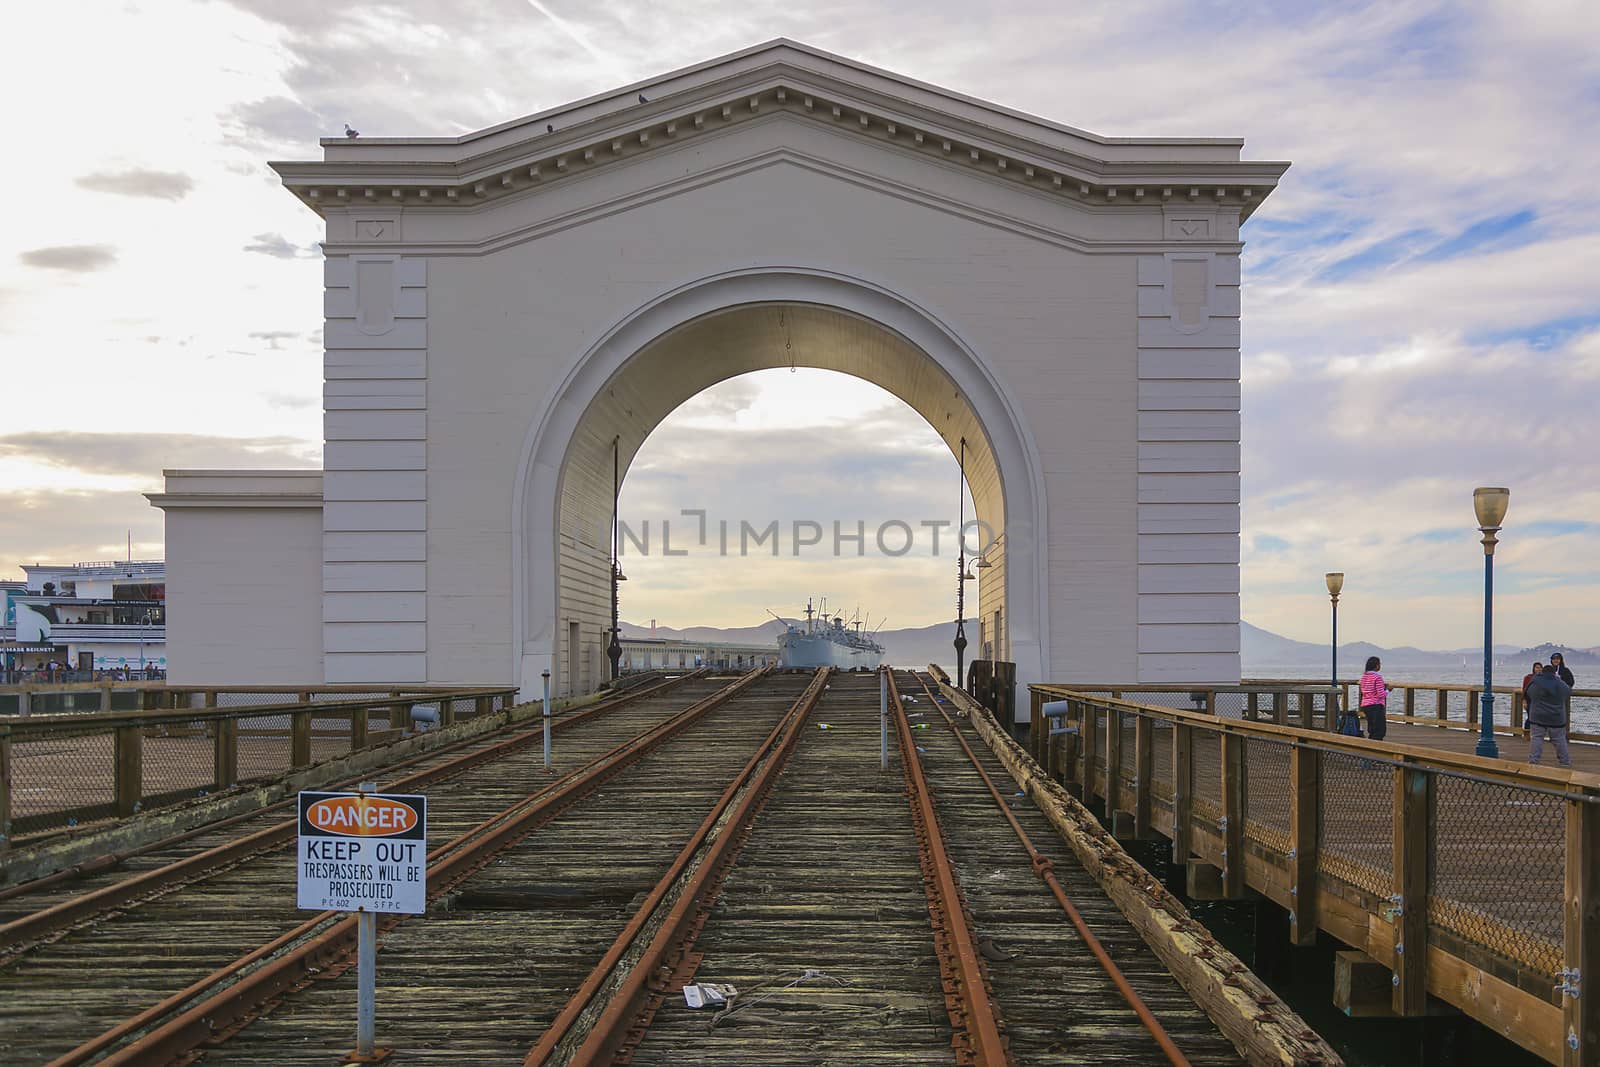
[549,127]
[350,133]
[643,99]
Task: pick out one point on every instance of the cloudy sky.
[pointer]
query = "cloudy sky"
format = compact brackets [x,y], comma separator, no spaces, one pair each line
[1422,313]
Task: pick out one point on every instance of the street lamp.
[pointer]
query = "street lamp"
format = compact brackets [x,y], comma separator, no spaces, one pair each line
[962,577]
[1335,580]
[1490,505]
[614,650]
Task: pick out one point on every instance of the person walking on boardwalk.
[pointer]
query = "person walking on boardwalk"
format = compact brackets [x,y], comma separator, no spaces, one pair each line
[1548,713]
[1526,678]
[1375,699]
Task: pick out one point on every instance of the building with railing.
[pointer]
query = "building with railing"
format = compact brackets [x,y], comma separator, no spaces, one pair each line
[84,618]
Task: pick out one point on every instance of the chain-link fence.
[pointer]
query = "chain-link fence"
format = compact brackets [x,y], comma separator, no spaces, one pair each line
[1497,866]
[61,776]
[1267,800]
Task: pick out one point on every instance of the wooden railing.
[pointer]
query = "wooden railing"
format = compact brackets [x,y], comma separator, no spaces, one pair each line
[60,771]
[1475,881]
[1453,706]
[139,694]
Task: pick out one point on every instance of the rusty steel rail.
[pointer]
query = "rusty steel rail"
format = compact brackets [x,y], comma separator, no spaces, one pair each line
[16,934]
[978,1039]
[326,943]
[1044,868]
[616,1021]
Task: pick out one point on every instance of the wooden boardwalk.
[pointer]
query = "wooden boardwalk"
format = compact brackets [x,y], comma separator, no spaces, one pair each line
[1513,744]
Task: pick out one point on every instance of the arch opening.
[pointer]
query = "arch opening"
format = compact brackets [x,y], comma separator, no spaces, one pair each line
[634,378]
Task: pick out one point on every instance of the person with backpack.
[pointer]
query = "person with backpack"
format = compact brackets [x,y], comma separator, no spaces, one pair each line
[1548,712]
[1375,699]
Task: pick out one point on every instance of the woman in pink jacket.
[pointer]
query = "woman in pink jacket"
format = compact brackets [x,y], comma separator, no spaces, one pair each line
[1375,699]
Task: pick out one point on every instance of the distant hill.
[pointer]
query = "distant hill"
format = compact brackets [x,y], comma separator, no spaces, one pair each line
[919,645]
[909,646]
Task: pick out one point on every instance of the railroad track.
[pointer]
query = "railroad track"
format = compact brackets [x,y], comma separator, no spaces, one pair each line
[896,918]
[478,977]
[920,914]
[74,968]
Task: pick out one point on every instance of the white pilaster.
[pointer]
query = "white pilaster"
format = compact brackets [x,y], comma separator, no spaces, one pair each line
[374,542]
[1188,468]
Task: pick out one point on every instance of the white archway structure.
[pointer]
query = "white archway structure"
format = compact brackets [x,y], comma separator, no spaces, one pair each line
[706,331]
[501,306]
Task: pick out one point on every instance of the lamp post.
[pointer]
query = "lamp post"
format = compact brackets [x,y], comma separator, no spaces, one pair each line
[614,650]
[1490,505]
[1335,580]
[962,577]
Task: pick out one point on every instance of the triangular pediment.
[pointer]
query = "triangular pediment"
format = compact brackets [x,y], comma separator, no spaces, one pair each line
[780,77]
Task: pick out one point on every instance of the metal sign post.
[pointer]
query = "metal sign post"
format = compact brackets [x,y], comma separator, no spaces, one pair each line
[547,720]
[364,852]
[883,719]
[367,984]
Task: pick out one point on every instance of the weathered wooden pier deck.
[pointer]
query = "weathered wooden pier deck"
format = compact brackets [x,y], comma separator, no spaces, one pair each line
[863,866]
[1456,879]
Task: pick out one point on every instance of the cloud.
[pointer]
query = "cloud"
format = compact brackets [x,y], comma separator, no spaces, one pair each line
[76,258]
[276,245]
[146,454]
[274,338]
[157,184]
[46,526]
[1416,316]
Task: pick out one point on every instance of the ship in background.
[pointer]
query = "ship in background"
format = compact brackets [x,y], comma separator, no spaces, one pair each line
[828,641]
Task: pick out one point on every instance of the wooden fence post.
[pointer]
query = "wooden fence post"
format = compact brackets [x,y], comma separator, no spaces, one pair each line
[1113,792]
[1413,790]
[1182,791]
[358,727]
[1252,707]
[1143,766]
[1302,706]
[224,747]
[1580,1000]
[1232,814]
[129,773]
[225,753]
[1411,702]
[1038,739]
[299,739]
[1472,707]
[1305,796]
[1091,720]
[5,789]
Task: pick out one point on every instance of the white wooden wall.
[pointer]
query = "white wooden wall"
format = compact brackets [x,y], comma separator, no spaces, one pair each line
[375,490]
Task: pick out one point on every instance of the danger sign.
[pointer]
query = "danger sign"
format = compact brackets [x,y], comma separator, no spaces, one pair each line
[363,852]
